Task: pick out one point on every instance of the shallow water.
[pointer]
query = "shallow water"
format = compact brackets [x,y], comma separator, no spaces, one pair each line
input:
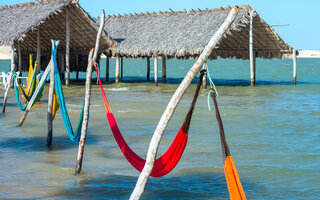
[272,131]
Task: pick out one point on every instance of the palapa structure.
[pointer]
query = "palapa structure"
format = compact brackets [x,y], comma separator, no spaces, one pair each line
[29,27]
[184,34]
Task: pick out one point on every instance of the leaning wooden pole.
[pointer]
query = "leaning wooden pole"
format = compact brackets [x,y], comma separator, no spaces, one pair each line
[87,96]
[50,100]
[67,47]
[155,141]
[36,92]
[10,79]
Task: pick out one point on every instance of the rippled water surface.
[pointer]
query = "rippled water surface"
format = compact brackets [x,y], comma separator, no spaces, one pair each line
[273,131]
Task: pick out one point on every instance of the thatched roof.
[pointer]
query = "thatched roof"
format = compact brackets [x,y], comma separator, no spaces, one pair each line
[185,34]
[21,21]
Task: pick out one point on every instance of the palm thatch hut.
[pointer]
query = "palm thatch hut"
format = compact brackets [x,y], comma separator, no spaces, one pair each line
[184,35]
[29,28]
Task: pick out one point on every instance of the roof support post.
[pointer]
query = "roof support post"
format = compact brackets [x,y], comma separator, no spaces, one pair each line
[121,75]
[67,47]
[107,68]
[117,69]
[148,69]
[156,70]
[10,80]
[252,54]
[294,58]
[19,60]
[78,66]
[164,69]
[39,49]
[204,80]
[166,116]
[62,67]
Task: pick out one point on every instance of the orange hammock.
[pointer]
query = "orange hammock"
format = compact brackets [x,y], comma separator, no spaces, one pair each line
[166,163]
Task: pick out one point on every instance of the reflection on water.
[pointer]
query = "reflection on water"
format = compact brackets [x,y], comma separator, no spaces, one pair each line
[272,130]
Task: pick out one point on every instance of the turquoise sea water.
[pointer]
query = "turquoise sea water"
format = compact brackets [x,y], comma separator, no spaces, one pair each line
[273,131]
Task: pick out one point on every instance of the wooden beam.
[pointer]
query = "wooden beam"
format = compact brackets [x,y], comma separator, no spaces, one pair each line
[117,69]
[10,80]
[78,66]
[19,59]
[204,80]
[166,116]
[148,69]
[156,70]
[164,69]
[121,68]
[294,58]
[252,54]
[67,46]
[107,68]
[39,49]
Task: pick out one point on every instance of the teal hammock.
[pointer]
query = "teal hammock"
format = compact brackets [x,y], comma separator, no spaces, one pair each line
[74,135]
[28,97]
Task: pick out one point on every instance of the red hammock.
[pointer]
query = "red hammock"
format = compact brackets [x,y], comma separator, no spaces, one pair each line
[164,164]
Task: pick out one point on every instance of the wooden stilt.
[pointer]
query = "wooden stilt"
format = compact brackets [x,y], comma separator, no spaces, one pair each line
[252,54]
[50,102]
[107,68]
[164,69]
[62,67]
[78,66]
[156,70]
[67,47]
[19,60]
[148,69]
[87,97]
[294,58]
[155,141]
[39,50]
[204,80]
[117,69]
[121,68]
[10,80]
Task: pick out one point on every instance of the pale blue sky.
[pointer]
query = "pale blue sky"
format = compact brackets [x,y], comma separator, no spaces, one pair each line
[303,16]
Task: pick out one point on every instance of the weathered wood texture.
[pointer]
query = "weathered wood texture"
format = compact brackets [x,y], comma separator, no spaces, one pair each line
[87,96]
[164,69]
[155,141]
[252,53]
[155,70]
[117,70]
[50,100]
[294,58]
[204,80]
[67,47]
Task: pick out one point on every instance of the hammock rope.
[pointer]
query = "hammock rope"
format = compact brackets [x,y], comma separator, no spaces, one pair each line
[73,135]
[232,177]
[166,163]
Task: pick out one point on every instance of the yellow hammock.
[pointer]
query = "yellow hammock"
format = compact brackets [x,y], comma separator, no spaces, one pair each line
[28,91]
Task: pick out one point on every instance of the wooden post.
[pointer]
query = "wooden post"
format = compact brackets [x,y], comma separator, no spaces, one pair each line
[252,54]
[156,70]
[39,49]
[121,68]
[19,60]
[67,47]
[107,68]
[155,141]
[148,69]
[204,80]
[117,69]
[164,69]
[35,94]
[294,58]
[87,96]
[10,79]
[78,66]
[62,67]
[50,100]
